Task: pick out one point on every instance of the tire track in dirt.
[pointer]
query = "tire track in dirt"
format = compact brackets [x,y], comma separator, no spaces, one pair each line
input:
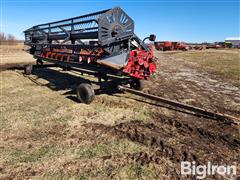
[156,140]
[137,132]
[202,133]
[154,136]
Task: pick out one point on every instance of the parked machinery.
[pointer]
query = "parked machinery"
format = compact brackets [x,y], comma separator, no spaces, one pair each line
[159,45]
[181,46]
[101,43]
[170,46]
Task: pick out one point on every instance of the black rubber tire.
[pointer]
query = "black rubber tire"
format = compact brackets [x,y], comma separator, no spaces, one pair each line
[39,62]
[66,68]
[137,84]
[28,69]
[85,93]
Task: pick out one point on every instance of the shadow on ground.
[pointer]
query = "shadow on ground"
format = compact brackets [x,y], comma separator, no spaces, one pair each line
[59,80]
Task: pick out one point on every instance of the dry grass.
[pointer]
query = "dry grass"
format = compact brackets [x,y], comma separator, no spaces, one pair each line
[14,54]
[225,63]
[38,123]
[46,134]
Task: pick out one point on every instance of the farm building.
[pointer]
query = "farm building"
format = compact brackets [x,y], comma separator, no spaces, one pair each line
[235,41]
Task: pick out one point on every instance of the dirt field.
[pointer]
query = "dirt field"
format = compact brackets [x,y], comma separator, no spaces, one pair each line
[45,133]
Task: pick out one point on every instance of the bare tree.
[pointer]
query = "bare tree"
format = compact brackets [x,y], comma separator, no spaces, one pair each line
[7,39]
[2,37]
[11,39]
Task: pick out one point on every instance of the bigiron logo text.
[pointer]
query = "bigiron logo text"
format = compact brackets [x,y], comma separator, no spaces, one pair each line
[209,169]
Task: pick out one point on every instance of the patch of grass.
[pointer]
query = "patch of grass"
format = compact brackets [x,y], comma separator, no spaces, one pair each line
[224,64]
[55,175]
[142,114]
[136,171]
[130,171]
[104,149]
[93,151]
[22,156]
[229,68]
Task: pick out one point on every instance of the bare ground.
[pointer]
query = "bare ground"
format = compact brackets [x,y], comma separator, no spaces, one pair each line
[45,133]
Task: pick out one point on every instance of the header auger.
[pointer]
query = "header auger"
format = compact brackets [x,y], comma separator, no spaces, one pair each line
[101,43]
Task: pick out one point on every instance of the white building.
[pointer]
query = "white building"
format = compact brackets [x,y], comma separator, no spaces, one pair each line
[234,40]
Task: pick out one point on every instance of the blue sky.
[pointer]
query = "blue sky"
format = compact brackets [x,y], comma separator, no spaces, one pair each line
[173,20]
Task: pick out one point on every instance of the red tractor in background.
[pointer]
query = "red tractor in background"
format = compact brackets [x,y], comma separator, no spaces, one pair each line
[170,46]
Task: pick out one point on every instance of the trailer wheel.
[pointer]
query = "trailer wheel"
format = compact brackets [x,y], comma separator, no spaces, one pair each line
[66,68]
[137,84]
[39,62]
[28,69]
[85,93]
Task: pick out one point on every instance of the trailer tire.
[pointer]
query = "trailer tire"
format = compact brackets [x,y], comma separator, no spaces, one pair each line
[28,69]
[66,68]
[39,62]
[85,93]
[137,84]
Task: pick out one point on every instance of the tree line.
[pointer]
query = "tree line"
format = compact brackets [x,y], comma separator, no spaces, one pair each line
[8,39]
